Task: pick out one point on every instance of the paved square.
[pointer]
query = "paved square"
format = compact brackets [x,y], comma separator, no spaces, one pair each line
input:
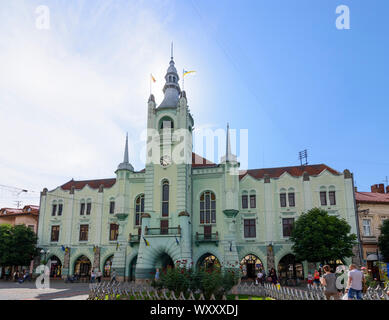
[59,290]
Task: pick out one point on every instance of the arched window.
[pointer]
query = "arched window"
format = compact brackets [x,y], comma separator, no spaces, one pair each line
[60,207]
[245,200]
[88,207]
[283,198]
[112,206]
[166,123]
[207,208]
[139,209]
[253,199]
[82,207]
[54,208]
[332,196]
[323,196]
[291,197]
[165,198]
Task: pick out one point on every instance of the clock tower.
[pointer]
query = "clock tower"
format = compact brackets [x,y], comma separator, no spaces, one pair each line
[168,175]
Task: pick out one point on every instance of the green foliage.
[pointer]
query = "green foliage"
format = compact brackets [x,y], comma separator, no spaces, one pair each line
[17,245]
[181,279]
[319,237]
[383,240]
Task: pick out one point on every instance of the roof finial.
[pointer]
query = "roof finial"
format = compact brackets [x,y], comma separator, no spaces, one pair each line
[228,144]
[126,150]
[171,50]
[125,165]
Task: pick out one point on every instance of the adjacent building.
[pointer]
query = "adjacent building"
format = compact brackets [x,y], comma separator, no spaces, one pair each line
[373,209]
[28,216]
[194,212]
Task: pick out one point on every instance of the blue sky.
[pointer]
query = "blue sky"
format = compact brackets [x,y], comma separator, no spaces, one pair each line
[280,69]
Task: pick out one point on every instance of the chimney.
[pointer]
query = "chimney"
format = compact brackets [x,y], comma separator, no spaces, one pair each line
[378,188]
[387,189]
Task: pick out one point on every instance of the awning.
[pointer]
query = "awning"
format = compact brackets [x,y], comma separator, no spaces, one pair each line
[374,257]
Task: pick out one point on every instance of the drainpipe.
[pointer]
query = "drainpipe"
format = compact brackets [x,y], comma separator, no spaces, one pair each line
[357,222]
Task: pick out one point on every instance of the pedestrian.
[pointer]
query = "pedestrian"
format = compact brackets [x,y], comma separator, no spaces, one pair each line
[310,278]
[113,276]
[316,278]
[93,277]
[156,277]
[355,283]
[259,277]
[273,276]
[7,272]
[99,275]
[328,281]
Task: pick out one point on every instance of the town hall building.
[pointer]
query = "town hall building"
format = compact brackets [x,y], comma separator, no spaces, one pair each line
[189,211]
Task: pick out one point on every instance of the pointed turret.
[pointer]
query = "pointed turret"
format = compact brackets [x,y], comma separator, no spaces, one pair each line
[125,165]
[172,88]
[229,157]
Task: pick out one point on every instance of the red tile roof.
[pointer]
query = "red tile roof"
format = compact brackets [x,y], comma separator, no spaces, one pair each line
[372,197]
[296,171]
[14,211]
[94,184]
[198,161]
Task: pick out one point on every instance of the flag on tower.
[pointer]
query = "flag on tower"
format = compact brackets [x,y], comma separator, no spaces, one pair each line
[187,72]
[178,242]
[152,78]
[146,242]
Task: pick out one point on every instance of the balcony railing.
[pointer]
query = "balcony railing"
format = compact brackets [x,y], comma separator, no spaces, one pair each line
[207,237]
[163,231]
[133,239]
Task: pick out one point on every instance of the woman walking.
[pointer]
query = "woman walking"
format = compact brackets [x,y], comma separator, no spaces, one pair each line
[328,281]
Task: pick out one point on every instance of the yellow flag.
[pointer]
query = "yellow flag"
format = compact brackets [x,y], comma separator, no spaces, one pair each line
[152,78]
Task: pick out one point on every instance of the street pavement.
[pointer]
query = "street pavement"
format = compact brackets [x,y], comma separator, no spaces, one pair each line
[59,290]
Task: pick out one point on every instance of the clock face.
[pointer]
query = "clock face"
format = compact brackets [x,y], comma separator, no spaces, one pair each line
[165,161]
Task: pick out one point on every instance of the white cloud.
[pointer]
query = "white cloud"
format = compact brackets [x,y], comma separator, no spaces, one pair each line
[68,94]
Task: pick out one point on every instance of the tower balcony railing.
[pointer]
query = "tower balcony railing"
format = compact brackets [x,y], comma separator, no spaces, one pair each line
[174,231]
[133,239]
[207,237]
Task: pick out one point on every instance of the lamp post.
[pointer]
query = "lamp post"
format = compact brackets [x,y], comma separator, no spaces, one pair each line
[45,253]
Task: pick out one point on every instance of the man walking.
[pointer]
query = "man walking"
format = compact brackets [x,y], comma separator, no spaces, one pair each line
[354,283]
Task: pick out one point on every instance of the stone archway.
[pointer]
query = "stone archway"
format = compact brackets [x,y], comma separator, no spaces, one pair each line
[208,261]
[107,267]
[290,269]
[82,266]
[55,267]
[251,264]
[132,268]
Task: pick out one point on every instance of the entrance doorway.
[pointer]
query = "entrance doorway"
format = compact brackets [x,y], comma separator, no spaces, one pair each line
[251,264]
[208,262]
[82,266]
[164,262]
[108,266]
[290,269]
[55,267]
[131,275]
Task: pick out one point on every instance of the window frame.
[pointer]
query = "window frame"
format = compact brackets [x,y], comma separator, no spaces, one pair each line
[283,201]
[84,232]
[321,194]
[250,228]
[245,201]
[165,199]
[291,195]
[288,225]
[113,227]
[253,198]
[207,208]
[332,193]
[54,232]
[141,207]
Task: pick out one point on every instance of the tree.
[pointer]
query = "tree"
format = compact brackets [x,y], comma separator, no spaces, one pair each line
[383,240]
[5,244]
[319,237]
[17,245]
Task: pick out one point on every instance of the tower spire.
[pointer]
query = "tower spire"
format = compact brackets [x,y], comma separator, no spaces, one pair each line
[171,51]
[171,88]
[126,150]
[126,165]
[229,157]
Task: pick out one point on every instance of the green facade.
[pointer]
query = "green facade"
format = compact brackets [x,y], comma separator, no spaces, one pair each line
[187,239]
